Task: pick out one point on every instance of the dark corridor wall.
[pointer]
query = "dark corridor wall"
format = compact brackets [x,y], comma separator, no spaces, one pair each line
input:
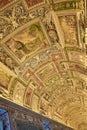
[24,119]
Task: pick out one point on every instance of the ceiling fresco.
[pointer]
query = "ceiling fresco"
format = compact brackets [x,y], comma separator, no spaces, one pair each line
[3,3]
[31,3]
[43,59]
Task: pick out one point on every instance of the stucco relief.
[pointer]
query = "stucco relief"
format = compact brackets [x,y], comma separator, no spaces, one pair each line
[11,19]
[16,16]
[34,61]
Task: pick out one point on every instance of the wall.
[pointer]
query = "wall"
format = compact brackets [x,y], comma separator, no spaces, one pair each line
[24,119]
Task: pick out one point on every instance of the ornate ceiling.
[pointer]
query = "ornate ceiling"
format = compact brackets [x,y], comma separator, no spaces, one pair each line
[42,58]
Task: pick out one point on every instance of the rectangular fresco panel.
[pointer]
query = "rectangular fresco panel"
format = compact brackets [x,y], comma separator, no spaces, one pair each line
[69,27]
[79,75]
[27,41]
[4,2]
[18,93]
[47,71]
[28,96]
[77,56]
[33,2]
[77,67]
[5,77]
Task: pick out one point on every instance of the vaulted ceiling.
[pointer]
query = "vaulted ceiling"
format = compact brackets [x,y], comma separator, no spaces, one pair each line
[43,58]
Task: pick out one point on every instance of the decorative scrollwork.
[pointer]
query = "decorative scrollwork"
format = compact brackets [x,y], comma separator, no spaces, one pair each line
[15,17]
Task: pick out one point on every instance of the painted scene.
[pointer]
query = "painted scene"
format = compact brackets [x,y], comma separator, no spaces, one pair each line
[27,41]
[4,78]
[69,23]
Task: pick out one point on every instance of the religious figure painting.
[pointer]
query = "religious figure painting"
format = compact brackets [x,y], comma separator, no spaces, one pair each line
[28,96]
[26,75]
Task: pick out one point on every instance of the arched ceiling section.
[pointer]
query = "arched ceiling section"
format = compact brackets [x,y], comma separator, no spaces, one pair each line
[42,58]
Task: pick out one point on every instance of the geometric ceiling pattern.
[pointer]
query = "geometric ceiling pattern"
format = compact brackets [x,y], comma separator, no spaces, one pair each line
[43,58]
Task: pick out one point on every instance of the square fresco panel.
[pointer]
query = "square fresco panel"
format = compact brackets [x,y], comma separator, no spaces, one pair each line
[27,41]
[33,2]
[4,3]
[69,27]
